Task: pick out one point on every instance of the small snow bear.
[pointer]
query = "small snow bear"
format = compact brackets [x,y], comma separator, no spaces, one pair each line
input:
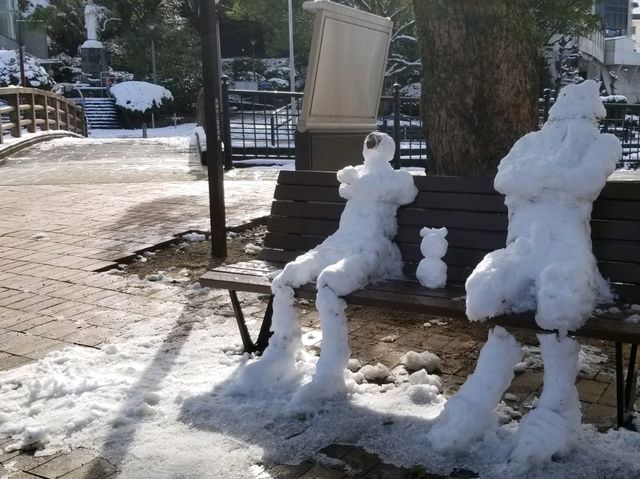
[432,271]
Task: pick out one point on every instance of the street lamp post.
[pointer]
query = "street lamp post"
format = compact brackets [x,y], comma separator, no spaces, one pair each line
[253,52]
[211,82]
[21,59]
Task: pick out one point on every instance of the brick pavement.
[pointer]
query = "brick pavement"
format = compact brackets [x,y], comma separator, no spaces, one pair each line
[60,223]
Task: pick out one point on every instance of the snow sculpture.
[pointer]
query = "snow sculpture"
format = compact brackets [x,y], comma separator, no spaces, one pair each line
[359,252]
[432,271]
[91,14]
[550,179]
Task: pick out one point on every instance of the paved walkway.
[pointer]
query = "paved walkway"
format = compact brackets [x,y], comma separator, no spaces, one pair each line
[69,211]
[73,207]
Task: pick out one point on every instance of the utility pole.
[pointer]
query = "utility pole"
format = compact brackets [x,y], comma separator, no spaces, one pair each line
[211,81]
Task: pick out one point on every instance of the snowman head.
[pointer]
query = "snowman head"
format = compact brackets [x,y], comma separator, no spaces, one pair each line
[581,101]
[378,147]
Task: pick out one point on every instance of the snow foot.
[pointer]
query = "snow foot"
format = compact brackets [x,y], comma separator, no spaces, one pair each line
[542,434]
[314,396]
[273,374]
[461,422]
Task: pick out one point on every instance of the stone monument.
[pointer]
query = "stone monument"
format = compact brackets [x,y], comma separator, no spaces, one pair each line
[344,82]
[91,51]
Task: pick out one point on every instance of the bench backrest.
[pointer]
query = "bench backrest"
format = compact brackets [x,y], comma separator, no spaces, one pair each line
[306,209]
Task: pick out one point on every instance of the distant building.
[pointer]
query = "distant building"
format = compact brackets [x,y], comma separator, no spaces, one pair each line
[610,55]
[13,31]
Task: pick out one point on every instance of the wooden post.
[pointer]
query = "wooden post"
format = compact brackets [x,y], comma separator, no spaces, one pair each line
[31,97]
[66,116]
[214,164]
[14,101]
[56,102]
[45,104]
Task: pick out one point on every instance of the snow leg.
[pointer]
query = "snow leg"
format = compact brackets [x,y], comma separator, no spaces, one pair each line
[470,412]
[336,280]
[497,280]
[554,424]
[276,370]
[566,295]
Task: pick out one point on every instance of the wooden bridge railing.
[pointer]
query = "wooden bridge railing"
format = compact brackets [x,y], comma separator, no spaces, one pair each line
[35,109]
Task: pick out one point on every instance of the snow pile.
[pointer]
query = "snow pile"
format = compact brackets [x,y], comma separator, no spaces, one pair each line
[379,372]
[139,96]
[432,271]
[194,237]
[614,99]
[360,252]
[550,179]
[35,74]
[426,360]
[413,90]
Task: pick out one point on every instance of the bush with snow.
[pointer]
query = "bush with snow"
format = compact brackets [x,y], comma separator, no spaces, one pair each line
[36,75]
[140,96]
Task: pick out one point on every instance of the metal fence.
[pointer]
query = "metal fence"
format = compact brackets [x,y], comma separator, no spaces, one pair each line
[260,126]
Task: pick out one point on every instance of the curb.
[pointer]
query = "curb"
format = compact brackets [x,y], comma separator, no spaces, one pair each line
[8,150]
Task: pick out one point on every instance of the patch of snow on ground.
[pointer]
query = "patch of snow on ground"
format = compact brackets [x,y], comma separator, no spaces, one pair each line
[157,402]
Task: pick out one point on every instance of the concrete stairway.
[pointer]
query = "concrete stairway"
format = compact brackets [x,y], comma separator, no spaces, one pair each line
[101,113]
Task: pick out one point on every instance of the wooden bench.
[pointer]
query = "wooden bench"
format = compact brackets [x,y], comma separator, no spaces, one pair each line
[306,209]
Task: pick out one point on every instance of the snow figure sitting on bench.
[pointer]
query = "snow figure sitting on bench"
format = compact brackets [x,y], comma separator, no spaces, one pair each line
[361,251]
[550,179]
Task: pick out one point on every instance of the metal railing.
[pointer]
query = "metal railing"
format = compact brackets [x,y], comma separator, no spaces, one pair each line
[259,124]
[33,109]
[399,117]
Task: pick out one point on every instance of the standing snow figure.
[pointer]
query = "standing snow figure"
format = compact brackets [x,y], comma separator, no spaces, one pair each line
[359,252]
[432,271]
[550,179]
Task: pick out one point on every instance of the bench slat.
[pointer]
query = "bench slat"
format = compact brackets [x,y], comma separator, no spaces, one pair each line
[407,296]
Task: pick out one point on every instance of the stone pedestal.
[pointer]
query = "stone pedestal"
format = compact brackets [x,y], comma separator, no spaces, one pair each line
[93,58]
[328,151]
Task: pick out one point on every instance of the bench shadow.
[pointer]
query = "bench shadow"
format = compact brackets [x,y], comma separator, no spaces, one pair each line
[156,371]
[287,438]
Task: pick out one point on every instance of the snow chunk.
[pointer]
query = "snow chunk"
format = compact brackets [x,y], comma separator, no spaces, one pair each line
[139,96]
[194,237]
[426,360]
[379,372]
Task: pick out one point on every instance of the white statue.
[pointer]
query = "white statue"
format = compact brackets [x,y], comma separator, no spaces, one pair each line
[91,15]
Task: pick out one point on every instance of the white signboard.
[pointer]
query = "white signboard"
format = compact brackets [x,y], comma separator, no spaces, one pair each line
[346,69]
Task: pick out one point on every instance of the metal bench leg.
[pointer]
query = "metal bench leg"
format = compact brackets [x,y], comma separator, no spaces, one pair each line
[625,387]
[619,386]
[265,329]
[247,343]
[630,385]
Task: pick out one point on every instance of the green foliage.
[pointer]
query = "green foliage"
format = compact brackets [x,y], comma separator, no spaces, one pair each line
[568,17]
[65,24]
[272,16]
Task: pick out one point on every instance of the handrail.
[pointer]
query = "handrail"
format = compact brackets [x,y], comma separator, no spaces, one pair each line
[33,108]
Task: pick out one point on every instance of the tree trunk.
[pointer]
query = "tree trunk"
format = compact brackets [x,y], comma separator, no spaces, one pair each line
[479,89]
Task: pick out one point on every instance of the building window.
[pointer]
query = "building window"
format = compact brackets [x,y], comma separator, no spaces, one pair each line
[616,17]
[8,11]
